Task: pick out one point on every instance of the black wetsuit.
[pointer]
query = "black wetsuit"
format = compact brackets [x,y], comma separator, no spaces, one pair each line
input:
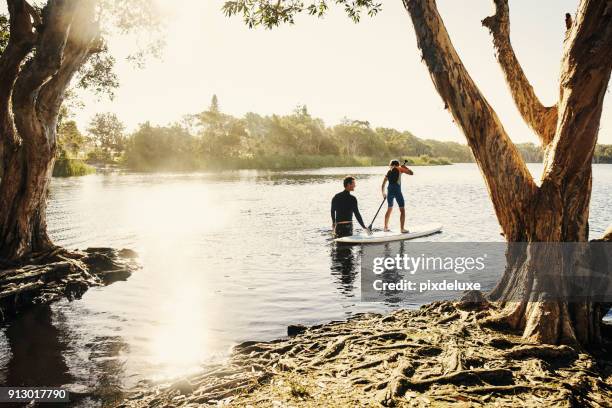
[343,206]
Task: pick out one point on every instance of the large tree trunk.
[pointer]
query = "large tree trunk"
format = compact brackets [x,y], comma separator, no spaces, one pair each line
[31,93]
[557,210]
[23,189]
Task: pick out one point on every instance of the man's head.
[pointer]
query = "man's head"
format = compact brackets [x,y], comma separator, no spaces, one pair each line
[394,163]
[349,183]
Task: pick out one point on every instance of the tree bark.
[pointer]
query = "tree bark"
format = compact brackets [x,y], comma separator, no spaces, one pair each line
[31,93]
[557,210]
[542,119]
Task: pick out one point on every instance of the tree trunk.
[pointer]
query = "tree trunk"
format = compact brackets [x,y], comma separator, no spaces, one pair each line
[558,209]
[31,93]
[23,190]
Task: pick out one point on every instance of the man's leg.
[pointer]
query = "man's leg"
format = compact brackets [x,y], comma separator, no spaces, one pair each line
[387,216]
[400,203]
[389,209]
[402,219]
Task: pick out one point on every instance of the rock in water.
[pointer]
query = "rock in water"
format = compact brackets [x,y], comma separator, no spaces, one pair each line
[295,329]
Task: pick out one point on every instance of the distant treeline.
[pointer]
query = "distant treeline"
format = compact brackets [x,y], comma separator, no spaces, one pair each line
[215,140]
[533,154]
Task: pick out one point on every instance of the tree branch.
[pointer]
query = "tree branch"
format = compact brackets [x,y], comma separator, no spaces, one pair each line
[585,74]
[543,120]
[84,33]
[21,41]
[509,182]
[57,18]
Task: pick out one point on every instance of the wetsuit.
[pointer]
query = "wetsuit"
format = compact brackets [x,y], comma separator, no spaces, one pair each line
[343,206]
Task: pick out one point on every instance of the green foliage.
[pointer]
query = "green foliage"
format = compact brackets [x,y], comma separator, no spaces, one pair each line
[457,152]
[99,156]
[70,138]
[214,105]
[355,137]
[272,13]
[97,74]
[161,148]
[403,143]
[71,144]
[220,134]
[107,132]
[292,162]
[4,32]
[603,154]
[426,160]
[530,152]
[68,167]
[213,139]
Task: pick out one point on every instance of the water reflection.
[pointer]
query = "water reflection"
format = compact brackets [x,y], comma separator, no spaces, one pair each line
[41,347]
[179,343]
[33,338]
[345,267]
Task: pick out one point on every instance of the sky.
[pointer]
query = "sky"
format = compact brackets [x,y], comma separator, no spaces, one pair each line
[368,71]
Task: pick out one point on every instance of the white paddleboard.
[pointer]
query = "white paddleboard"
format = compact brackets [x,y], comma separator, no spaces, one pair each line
[381,236]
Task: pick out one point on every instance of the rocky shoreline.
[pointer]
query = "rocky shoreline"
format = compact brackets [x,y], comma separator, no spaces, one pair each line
[440,355]
[60,273]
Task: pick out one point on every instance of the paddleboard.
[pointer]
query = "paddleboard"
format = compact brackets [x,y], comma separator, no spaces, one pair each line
[381,236]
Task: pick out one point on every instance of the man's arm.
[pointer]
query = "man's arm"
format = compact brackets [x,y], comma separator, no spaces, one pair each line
[358,215]
[333,211]
[404,169]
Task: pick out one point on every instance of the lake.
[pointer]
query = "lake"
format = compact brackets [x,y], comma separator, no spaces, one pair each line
[226,258]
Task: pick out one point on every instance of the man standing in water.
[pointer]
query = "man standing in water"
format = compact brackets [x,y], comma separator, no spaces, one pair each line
[343,206]
[394,191]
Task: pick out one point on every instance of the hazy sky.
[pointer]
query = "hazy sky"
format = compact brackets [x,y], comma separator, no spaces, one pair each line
[369,71]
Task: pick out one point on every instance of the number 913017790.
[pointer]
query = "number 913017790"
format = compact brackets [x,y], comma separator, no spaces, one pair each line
[38,394]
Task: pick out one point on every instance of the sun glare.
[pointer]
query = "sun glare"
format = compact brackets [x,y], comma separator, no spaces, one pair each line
[180,341]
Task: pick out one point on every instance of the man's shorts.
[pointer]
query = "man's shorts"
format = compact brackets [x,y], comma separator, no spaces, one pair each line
[394,191]
[344,230]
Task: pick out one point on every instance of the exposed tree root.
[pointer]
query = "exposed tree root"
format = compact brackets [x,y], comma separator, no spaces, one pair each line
[407,358]
[60,273]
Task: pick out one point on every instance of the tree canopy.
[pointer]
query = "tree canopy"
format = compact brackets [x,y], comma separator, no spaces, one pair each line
[270,14]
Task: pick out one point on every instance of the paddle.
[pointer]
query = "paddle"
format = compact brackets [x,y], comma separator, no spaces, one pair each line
[372,223]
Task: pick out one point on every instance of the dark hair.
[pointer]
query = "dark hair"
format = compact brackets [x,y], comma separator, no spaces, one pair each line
[348,180]
[394,163]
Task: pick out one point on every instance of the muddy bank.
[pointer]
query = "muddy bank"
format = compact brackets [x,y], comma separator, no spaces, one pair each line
[440,355]
[60,273]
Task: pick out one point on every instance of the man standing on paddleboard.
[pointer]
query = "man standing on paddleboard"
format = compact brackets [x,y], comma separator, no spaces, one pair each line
[394,191]
[343,206]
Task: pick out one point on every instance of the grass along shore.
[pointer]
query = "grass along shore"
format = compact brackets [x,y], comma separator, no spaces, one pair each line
[65,167]
[443,354]
[278,162]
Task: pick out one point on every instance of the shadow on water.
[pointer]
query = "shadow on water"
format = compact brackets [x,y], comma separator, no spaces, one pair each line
[37,348]
[39,344]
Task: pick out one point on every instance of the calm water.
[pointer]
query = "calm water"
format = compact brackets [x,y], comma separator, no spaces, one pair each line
[227,257]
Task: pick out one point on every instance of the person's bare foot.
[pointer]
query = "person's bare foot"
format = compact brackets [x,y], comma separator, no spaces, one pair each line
[405,231]
[386,230]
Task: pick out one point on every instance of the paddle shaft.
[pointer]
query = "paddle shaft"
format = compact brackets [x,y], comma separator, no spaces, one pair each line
[376,215]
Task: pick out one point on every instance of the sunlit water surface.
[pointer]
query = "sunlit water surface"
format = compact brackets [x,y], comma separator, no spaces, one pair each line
[226,257]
